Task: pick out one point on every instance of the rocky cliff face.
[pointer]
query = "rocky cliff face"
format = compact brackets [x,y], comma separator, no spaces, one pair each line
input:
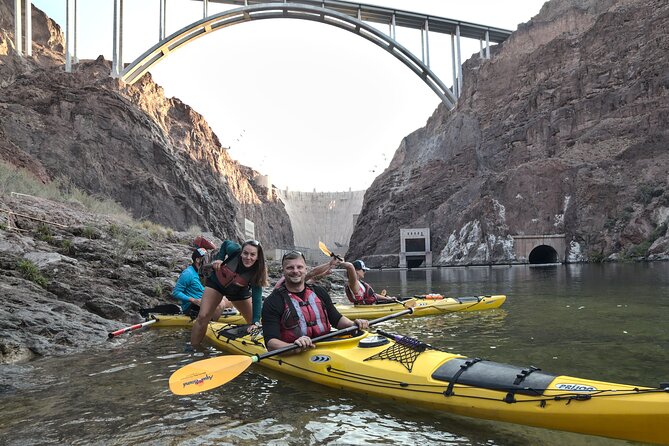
[563,131]
[154,155]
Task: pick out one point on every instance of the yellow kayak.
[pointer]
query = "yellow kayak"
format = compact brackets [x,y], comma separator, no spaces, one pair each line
[424,306]
[181,320]
[404,369]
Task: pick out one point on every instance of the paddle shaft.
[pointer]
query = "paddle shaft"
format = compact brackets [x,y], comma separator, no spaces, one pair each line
[131,328]
[350,329]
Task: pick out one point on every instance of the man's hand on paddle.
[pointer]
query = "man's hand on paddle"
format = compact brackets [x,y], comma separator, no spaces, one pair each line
[363,324]
[304,342]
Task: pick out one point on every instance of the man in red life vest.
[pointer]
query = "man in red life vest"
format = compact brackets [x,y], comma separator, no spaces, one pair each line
[359,292]
[296,312]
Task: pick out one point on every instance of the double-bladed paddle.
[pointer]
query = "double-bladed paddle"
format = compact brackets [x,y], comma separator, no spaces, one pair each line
[131,328]
[214,372]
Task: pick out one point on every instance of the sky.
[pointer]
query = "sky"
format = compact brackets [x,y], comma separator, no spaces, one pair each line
[314,107]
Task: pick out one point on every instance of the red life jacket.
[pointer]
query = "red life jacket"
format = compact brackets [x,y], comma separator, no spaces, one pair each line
[303,317]
[368,296]
[232,282]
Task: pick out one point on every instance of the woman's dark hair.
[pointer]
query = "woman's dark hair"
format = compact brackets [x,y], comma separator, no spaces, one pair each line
[260,276]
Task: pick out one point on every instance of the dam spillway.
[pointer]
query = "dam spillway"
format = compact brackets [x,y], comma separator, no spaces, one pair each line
[322,216]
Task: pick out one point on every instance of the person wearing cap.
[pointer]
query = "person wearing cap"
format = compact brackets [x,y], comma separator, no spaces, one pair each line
[188,289]
[358,291]
[296,312]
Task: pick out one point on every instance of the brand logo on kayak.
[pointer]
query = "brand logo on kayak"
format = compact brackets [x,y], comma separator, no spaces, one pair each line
[198,381]
[319,358]
[576,387]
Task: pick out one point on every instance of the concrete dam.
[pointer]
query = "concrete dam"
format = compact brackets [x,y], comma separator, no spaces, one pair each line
[322,216]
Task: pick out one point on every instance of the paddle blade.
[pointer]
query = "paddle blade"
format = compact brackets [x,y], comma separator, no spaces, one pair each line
[324,249]
[207,374]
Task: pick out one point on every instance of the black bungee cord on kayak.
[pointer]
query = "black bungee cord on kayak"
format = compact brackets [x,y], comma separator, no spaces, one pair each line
[405,350]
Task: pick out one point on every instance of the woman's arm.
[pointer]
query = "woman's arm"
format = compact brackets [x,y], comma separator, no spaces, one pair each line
[256,301]
[228,249]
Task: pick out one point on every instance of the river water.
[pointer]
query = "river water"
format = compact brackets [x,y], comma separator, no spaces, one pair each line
[605,322]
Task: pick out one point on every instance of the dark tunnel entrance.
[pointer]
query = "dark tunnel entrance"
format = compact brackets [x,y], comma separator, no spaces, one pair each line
[543,254]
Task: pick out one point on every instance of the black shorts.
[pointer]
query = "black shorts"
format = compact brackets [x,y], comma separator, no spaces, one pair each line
[212,282]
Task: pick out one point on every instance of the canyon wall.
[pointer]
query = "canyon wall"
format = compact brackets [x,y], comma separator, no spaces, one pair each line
[154,155]
[563,131]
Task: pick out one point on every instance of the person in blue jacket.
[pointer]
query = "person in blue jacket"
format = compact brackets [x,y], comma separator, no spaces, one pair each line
[188,289]
[239,273]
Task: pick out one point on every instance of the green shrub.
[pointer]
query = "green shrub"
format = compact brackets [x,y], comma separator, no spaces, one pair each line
[44,233]
[66,246]
[596,256]
[61,189]
[640,250]
[645,193]
[158,291]
[658,232]
[114,230]
[89,232]
[29,271]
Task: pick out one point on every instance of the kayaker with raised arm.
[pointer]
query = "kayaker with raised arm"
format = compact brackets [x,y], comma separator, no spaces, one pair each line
[296,312]
[239,273]
[358,291]
[314,273]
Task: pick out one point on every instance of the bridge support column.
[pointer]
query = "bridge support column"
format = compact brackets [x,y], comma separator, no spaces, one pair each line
[68,38]
[455,72]
[117,54]
[392,28]
[487,44]
[29,28]
[18,32]
[427,42]
[162,19]
[457,38]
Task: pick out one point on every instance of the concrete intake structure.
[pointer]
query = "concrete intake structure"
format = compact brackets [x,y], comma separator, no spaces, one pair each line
[323,216]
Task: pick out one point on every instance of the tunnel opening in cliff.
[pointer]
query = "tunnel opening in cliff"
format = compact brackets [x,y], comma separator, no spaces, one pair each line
[543,254]
[415,261]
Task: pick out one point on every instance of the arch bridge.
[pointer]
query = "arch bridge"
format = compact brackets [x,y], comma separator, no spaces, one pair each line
[353,17]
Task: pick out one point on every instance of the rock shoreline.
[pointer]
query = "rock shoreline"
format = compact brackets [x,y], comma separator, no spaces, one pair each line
[68,282]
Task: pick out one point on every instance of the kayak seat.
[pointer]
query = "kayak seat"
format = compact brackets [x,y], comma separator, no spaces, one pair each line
[238,331]
[493,375]
[467,299]
[161,309]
